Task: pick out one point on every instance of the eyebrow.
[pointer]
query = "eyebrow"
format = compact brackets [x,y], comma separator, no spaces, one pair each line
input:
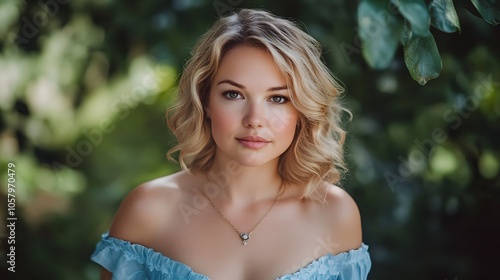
[233,83]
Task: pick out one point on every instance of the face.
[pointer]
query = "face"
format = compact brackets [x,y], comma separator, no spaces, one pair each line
[252,118]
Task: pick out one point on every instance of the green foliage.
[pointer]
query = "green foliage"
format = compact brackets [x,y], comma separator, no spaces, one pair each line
[422,58]
[443,16]
[415,17]
[416,13]
[489,10]
[380,33]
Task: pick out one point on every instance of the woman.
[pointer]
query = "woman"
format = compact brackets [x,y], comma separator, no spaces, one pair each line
[258,127]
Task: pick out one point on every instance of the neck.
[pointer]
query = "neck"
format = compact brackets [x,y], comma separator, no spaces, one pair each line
[242,184]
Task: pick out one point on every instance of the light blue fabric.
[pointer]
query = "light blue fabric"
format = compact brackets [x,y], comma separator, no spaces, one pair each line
[129,261]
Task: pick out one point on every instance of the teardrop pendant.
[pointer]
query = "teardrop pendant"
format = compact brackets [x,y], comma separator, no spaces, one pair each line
[244,238]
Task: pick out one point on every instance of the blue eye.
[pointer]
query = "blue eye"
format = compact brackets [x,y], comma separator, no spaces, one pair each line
[230,94]
[279,99]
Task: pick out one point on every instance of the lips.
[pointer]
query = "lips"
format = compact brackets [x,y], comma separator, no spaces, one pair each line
[254,139]
[253,142]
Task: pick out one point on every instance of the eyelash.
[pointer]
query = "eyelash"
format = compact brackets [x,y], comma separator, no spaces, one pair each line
[284,99]
[226,94]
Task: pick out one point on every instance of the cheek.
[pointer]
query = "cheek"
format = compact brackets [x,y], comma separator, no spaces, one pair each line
[284,121]
[222,120]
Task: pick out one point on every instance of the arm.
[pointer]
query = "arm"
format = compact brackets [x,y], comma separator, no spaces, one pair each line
[135,219]
[344,220]
[345,227]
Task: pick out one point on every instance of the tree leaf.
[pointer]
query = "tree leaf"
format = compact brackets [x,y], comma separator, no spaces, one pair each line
[422,59]
[416,12]
[489,10]
[467,4]
[379,31]
[444,16]
[406,34]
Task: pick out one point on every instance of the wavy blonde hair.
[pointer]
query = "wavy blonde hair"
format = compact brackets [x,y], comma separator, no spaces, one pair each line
[316,153]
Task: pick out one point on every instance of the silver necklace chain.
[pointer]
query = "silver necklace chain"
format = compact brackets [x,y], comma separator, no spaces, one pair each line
[246,236]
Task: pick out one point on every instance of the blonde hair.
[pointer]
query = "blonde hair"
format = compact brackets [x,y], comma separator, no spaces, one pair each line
[316,153]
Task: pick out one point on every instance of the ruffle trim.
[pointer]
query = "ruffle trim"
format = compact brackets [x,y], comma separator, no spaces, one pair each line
[110,250]
[117,256]
[355,263]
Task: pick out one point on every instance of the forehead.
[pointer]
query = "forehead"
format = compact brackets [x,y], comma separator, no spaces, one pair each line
[249,64]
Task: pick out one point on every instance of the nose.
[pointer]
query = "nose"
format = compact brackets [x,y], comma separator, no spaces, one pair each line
[255,116]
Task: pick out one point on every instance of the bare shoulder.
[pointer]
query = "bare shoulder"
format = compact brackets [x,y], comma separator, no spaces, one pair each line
[342,218]
[148,207]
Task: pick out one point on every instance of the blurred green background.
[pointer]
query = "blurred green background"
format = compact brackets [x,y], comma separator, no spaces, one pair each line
[84,86]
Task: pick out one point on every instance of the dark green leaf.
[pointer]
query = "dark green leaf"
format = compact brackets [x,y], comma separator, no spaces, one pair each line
[379,31]
[416,12]
[406,34]
[422,59]
[467,4]
[489,10]
[443,16]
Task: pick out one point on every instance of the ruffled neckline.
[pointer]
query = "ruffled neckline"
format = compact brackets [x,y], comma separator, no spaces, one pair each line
[155,260]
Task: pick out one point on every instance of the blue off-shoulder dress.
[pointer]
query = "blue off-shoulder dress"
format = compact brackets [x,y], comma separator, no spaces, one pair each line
[129,261]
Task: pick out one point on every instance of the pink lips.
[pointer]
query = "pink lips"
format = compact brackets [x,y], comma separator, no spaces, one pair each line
[253,142]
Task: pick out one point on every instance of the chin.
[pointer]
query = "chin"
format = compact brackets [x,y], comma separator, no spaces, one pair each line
[254,161]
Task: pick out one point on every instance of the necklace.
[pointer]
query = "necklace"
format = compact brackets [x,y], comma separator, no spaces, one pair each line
[243,235]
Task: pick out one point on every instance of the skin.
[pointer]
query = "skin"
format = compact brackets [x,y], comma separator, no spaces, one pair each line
[248,98]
